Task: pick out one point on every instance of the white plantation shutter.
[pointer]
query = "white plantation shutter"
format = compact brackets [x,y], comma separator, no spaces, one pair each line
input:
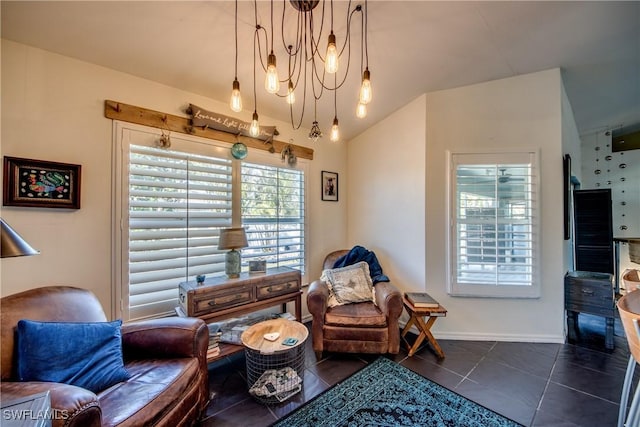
[169,207]
[273,213]
[494,225]
[178,202]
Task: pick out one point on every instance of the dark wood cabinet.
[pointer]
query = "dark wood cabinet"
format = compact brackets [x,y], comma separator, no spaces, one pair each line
[591,293]
[593,230]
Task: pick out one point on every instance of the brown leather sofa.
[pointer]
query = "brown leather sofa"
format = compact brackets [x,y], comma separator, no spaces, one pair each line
[166,359]
[354,328]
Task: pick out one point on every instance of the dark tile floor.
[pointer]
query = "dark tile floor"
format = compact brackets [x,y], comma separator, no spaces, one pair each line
[534,384]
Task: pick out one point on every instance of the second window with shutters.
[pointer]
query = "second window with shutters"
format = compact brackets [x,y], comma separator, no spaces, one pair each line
[494,225]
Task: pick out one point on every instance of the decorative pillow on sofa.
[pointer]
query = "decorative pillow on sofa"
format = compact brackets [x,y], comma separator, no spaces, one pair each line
[349,284]
[88,355]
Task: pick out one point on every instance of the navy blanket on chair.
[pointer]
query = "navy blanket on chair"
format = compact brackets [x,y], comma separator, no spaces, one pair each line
[357,254]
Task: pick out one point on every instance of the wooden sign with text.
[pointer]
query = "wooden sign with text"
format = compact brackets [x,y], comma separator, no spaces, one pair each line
[202,118]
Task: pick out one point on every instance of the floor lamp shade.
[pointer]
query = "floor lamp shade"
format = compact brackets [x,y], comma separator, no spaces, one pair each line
[232,238]
[12,244]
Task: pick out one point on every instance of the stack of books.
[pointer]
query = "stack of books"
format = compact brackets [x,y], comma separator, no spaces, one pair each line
[421,300]
[214,341]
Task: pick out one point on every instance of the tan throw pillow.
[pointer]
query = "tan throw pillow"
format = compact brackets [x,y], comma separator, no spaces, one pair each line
[349,284]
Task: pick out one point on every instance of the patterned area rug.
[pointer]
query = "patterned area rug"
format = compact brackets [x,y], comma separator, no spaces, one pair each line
[386,394]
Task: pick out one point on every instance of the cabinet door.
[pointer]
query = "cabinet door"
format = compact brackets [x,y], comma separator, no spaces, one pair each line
[593,230]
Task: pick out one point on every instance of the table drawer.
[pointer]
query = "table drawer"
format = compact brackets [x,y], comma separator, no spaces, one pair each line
[209,303]
[269,290]
[591,309]
[591,295]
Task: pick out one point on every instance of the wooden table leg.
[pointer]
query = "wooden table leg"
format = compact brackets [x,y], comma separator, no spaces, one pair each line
[426,332]
[608,335]
[299,307]
[410,323]
[410,348]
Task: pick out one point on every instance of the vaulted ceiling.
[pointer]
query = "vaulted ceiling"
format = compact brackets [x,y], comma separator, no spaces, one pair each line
[414,47]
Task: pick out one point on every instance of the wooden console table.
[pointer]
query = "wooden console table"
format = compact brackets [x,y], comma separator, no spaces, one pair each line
[220,298]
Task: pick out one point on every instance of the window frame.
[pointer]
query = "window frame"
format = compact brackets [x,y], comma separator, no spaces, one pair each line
[496,158]
[120,223]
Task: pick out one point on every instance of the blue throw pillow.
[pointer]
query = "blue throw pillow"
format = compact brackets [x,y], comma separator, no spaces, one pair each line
[88,355]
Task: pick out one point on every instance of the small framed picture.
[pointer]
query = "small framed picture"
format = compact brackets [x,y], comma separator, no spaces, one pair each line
[329,186]
[41,184]
[257,267]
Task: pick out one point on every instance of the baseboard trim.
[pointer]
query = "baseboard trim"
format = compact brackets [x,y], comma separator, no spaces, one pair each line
[478,336]
[470,336]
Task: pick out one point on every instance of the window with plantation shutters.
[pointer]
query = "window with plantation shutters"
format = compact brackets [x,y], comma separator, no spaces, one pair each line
[170,206]
[273,214]
[494,225]
[177,204]
[171,203]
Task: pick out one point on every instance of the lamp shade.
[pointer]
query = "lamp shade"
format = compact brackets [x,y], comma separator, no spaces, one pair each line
[12,244]
[232,238]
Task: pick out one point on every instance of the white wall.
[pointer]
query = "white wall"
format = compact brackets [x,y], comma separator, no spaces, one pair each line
[389,214]
[386,210]
[53,109]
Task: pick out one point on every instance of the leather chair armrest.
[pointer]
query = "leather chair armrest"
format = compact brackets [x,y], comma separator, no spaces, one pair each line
[165,338]
[70,405]
[317,297]
[389,300]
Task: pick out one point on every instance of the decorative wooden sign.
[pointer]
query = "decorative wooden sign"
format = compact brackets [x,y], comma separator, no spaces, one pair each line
[202,118]
[130,113]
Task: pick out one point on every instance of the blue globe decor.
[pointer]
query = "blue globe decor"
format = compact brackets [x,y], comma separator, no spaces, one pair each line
[239,151]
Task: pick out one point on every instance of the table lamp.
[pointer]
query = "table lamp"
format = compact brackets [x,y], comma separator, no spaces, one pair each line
[232,238]
[12,244]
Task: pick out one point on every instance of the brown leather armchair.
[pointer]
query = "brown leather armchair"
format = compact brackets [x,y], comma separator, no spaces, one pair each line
[354,328]
[166,359]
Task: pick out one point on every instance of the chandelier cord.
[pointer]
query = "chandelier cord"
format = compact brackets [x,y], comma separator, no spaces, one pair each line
[362,46]
[236,30]
[272,39]
[255,94]
[257,35]
[366,32]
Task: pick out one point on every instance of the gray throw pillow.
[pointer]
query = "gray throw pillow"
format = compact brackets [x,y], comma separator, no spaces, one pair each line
[350,284]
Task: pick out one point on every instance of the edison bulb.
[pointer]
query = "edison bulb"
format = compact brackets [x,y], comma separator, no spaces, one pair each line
[361,110]
[331,59]
[271,81]
[254,130]
[335,131]
[236,99]
[291,96]
[365,89]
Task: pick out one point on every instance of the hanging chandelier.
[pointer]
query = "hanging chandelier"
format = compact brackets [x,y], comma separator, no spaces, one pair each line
[315,68]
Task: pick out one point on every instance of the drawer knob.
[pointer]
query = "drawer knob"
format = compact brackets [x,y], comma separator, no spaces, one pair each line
[587,292]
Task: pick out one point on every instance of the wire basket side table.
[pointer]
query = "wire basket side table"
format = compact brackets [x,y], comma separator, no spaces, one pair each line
[275,370]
